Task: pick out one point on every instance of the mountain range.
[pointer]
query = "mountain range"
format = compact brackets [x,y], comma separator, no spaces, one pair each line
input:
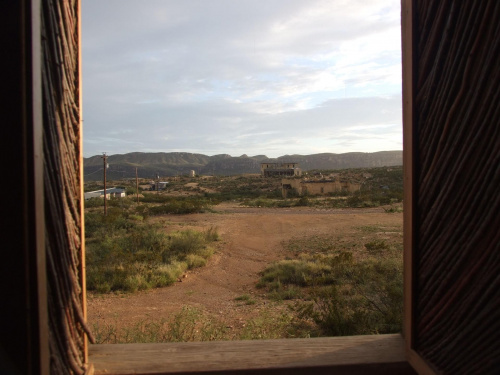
[168,164]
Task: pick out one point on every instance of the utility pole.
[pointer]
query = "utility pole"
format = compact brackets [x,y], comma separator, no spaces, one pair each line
[104,158]
[157,183]
[137,184]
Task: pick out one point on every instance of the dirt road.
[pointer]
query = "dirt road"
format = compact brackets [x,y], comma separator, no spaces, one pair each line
[251,238]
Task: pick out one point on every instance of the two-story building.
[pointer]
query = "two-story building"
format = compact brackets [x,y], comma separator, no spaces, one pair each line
[271,169]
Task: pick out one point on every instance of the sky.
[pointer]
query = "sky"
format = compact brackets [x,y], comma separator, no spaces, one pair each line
[254,77]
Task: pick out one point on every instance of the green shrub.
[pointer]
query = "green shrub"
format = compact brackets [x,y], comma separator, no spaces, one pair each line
[195,261]
[268,326]
[185,243]
[376,246]
[283,293]
[144,258]
[246,299]
[347,295]
[369,300]
[212,235]
[136,217]
[393,209]
[93,223]
[190,324]
[298,272]
[303,201]
[94,202]
[333,315]
[180,207]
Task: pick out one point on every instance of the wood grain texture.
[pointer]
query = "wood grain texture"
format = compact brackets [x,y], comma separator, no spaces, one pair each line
[62,184]
[408,168]
[382,354]
[457,161]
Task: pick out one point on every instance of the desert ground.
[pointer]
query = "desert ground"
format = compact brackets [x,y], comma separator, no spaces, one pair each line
[251,239]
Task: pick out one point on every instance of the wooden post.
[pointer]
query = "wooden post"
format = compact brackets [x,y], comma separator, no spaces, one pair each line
[24,332]
[136,184]
[409,130]
[83,269]
[104,157]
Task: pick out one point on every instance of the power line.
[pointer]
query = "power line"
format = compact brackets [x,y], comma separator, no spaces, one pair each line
[88,174]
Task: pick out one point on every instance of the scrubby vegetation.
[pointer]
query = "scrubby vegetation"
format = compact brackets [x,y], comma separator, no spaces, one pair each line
[192,324]
[378,187]
[343,288]
[126,254]
[331,285]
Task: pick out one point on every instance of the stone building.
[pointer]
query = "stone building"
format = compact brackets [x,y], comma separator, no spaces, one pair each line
[280,169]
[317,187]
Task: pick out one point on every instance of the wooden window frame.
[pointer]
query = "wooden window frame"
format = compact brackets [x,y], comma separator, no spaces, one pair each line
[342,354]
[287,355]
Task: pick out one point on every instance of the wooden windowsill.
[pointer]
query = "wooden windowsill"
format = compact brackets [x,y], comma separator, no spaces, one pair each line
[375,354]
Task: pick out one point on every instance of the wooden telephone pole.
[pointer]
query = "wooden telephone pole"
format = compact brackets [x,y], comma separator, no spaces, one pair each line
[104,158]
[136,185]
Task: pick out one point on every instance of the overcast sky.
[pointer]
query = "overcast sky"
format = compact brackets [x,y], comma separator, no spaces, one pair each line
[253,77]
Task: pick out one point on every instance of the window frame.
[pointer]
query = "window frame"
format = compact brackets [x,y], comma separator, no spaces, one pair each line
[29,119]
[408,170]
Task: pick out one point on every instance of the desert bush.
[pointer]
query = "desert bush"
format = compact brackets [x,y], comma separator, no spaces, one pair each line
[246,299]
[136,217]
[369,299]
[282,293]
[380,283]
[337,292]
[195,261]
[190,324]
[260,202]
[393,209]
[298,272]
[155,198]
[129,190]
[376,246]
[212,235]
[268,326]
[141,210]
[185,243]
[123,203]
[144,257]
[181,206]
[332,314]
[94,202]
[303,201]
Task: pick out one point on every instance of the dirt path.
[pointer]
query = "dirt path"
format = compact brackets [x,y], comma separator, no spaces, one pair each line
[251,239]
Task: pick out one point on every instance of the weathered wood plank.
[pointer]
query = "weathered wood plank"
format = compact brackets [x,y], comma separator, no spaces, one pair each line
[456,158]
[379,354]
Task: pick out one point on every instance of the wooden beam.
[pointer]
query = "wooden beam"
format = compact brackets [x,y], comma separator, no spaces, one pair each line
[24,327]
[408,167]
[83,270]
[374,354]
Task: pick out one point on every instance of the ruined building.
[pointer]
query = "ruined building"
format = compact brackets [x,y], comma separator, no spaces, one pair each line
[317,187]
[280,169]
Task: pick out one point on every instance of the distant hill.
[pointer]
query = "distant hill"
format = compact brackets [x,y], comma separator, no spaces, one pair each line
[179,163]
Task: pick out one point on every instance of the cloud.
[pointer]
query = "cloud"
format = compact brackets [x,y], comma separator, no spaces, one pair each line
[226,76]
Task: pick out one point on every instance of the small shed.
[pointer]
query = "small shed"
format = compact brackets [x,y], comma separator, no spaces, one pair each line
[111,192]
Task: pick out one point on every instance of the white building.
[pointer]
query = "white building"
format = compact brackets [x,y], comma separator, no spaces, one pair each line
[111,192]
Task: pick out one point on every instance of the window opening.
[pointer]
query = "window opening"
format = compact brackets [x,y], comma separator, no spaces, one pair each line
[171,92]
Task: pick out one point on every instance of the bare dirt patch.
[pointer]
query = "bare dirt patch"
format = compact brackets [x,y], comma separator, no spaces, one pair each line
[251,238]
